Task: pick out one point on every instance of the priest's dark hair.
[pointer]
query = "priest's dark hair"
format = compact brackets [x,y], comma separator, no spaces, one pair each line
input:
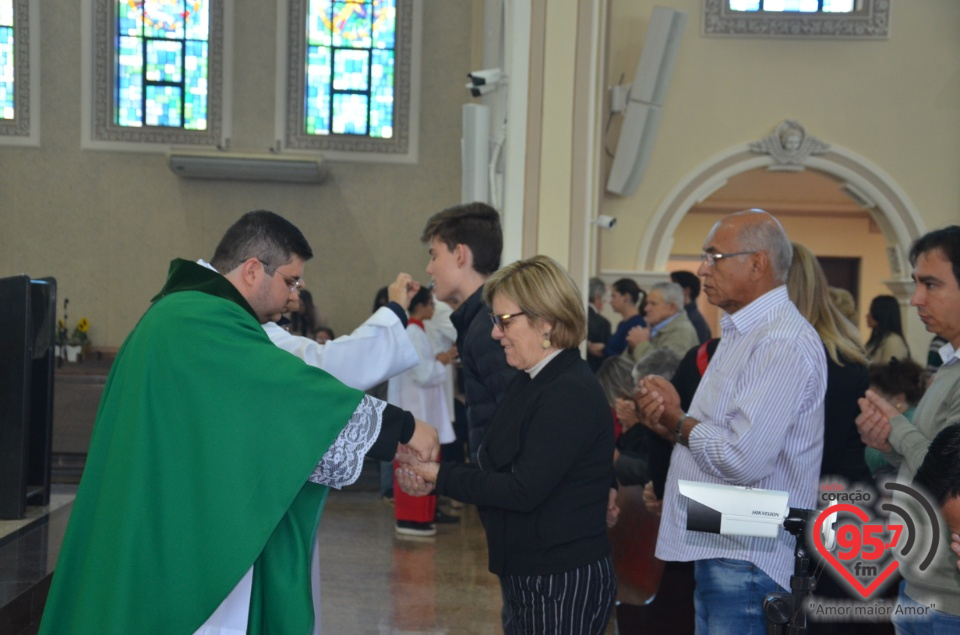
[263,235]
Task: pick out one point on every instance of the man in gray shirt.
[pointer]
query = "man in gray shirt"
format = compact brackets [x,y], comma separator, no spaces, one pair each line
[936,270]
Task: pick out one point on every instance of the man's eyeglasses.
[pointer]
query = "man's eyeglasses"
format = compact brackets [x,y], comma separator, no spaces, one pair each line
[710,259]
[501,321]
[293,284]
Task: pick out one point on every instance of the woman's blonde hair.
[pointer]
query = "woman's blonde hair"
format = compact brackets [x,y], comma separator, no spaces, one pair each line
[808,288]
[544,291]
[844,301]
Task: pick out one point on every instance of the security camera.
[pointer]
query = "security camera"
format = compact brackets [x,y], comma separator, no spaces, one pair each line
[485,77]
[732,510]
[482,89]
[606,222]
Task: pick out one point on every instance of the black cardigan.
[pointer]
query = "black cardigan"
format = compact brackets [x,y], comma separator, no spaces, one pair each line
[544,473]
[484,370]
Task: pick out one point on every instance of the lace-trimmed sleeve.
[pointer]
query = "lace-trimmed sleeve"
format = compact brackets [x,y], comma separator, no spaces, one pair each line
[341,464]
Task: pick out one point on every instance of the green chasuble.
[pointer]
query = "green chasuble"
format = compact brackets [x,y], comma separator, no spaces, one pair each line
[197,470]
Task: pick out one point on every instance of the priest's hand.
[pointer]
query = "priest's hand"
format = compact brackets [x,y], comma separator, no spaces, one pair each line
[427,470]
[425,443]
[411,483]
[402,290]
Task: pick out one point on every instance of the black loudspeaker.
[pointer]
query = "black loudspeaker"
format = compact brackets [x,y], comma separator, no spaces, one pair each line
[27,327]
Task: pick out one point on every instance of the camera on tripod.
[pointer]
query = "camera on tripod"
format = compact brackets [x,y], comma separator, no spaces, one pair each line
[732,510]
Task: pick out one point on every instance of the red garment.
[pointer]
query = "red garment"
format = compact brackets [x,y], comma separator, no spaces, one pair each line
[418,509]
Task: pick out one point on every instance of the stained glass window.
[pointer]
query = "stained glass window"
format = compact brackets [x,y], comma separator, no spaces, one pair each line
[161,63]
[813,19]
[7,101]
[801,6]
[350,58]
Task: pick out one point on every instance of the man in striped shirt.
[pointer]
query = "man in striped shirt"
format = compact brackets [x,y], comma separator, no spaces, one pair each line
[756,420]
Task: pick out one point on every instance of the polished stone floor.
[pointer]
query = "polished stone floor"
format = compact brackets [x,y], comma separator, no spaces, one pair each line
[373,581]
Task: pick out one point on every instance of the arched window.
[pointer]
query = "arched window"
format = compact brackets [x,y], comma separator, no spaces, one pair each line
[19,73]
[158,73]
[351,78]
[849,19]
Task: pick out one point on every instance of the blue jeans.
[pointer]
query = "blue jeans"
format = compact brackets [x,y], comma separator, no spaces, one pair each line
[729,597]
[925,621]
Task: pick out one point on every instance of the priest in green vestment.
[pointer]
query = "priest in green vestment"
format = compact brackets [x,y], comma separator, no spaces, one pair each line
[212,454]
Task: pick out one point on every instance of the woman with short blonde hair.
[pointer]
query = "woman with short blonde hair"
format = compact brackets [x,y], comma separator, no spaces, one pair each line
[543,290]
[544,469]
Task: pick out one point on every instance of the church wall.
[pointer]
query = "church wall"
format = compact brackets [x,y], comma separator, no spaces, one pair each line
[106,224]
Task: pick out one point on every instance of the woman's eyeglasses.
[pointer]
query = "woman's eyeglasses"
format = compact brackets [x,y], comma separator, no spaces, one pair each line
[501,321]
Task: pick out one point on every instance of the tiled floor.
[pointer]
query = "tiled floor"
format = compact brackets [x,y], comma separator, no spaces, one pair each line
[372,580]
[28,554]
[376,582]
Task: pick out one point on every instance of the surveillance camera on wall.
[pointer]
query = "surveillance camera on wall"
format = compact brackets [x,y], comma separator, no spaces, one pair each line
[606,222]
[485,77]
[482,89]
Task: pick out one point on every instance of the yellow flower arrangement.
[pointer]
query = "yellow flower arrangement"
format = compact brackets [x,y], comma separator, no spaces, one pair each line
[79,335]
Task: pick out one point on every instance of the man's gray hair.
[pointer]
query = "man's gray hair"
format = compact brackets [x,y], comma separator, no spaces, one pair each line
[769,237]
[659,361]
[672,293]
[597,288]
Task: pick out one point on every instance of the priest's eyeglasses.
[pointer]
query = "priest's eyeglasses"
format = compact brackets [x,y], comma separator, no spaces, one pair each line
[293,284]
[710,258]
[501,321]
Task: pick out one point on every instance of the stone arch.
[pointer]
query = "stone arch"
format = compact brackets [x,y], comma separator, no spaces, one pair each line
[887,204]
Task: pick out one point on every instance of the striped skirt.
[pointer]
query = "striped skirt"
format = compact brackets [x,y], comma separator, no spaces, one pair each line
[578,601]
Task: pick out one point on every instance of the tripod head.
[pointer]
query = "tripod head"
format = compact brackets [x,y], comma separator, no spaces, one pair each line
[784,611]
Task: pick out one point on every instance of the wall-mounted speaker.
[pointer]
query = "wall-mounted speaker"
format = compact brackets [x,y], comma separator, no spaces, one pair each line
[645,101]
[475,154]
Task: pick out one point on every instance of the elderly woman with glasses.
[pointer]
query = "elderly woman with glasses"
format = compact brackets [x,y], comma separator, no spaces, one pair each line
[543,476]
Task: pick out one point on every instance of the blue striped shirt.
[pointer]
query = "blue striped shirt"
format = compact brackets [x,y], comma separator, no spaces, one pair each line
[760,408]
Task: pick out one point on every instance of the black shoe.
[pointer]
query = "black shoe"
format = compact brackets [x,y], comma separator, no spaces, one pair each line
[411,528]
[445,519]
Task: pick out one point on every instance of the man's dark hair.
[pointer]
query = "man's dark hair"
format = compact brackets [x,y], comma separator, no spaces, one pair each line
[476,225]
[947,240]
[687,280]
[626,286]
[264,235]
[939,473]
[420,298]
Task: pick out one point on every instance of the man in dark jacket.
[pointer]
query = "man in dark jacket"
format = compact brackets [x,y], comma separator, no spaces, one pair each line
[465,244]
[598,327]
[690,284]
